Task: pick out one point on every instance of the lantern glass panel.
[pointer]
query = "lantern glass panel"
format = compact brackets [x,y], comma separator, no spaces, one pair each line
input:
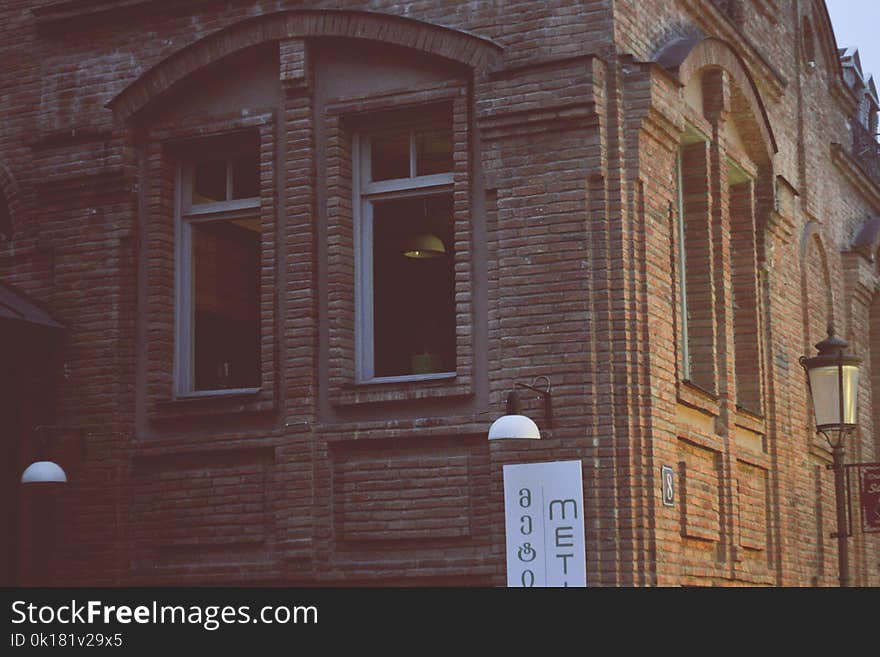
[825,389]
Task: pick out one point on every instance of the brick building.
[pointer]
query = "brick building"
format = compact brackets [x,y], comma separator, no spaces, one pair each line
[301,252]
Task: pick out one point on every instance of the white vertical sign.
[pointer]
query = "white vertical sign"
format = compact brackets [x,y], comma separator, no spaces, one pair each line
[544,522]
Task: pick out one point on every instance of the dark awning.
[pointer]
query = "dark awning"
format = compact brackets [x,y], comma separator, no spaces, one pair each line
[17,306]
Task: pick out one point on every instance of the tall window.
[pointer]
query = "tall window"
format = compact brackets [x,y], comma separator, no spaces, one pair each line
[218,268]
[405,297]
[874,338]
[744,289]
[695,268]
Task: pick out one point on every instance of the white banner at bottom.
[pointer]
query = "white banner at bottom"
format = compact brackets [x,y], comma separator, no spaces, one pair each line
[544,523]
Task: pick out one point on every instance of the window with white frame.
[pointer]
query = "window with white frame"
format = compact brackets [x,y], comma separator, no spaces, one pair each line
[218,268]
[405,283]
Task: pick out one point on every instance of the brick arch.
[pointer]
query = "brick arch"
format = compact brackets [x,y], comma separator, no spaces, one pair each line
[10,203]
[817,293]
[688,57]
[456,45]
[824,33]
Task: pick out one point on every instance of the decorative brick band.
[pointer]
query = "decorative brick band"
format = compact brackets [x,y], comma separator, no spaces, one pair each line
[473,51]
[685,57]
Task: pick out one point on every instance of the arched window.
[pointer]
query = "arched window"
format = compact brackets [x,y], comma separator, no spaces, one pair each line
[324,144]
[720,182]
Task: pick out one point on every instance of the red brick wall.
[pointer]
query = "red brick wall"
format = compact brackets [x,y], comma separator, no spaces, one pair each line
[565,209]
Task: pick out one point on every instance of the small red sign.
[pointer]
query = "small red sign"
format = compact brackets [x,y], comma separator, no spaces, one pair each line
[869,489]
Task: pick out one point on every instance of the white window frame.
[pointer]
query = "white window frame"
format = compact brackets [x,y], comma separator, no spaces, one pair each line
[187,214]
[366,193]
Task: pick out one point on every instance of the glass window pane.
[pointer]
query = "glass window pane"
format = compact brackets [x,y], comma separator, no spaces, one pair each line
[5,219]
[413,297]
[246,177]
[209,182]
[226,271]
[389,157]
[434,150]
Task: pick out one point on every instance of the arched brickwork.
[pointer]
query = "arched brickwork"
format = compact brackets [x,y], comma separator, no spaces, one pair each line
[455,45]
[818,295]
[824,33]
[688,57]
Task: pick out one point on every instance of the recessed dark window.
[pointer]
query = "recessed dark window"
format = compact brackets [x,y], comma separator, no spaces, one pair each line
[406,284]
[420,150]
[433,150]
[390,155]
[413,286]
[225,180]
[245,177]
[218,316]
[226,271]
[209,182]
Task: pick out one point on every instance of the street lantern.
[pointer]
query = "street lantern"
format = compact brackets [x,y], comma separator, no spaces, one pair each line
[833,378]
[834,386]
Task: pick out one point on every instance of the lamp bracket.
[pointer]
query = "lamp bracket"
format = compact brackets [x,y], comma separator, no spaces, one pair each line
[543,394]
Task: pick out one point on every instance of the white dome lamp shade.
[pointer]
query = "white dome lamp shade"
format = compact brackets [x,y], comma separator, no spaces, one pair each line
[43,472]
[515,426]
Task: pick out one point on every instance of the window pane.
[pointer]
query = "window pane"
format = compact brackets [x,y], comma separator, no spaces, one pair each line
[389,157]
[209,182]
[5,219]
[413,297]
[226,269]
[246,177]
[434,150]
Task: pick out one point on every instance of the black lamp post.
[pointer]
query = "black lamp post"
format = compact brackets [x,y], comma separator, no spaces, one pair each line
[833,377]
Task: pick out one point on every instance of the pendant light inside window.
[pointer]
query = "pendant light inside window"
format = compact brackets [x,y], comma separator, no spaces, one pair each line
[424,245]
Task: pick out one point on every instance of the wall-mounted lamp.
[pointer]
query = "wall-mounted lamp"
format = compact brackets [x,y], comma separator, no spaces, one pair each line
[43,471]
[513,425]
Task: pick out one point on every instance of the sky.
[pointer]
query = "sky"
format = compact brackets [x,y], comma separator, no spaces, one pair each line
[857,24]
